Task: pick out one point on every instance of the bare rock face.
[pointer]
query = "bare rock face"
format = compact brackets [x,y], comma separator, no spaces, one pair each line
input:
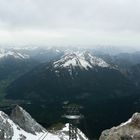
[25,121]
[129,130]
[6,130]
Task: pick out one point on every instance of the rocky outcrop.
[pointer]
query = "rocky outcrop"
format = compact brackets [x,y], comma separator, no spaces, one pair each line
[6,130]
[20,126]
[129,130]
[25,121]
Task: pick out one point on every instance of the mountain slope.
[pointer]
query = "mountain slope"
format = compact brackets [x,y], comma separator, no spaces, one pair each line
[12,65]
[69,76]
[134,74]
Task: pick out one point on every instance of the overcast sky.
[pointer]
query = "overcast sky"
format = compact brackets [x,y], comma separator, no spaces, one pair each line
[70,22]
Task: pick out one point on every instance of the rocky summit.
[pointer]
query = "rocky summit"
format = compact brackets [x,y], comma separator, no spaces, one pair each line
[129,130]
[25,121]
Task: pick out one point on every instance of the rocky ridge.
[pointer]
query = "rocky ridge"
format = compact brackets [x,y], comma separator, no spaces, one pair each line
[129,130]
[12,54]
[21,126]
[83,60]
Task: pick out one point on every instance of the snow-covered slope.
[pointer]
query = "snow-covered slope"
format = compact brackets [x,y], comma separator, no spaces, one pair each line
[16,128]
[83,60]
[14,54]
[63,134]
[11,131]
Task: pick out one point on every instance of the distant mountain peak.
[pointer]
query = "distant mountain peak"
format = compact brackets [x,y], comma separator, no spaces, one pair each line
[10,53]
[83,60]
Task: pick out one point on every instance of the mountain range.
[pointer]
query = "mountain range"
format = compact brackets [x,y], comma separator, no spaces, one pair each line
[47,78]
[78,74]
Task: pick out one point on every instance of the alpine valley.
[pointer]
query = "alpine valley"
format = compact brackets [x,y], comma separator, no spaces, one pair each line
[43,80]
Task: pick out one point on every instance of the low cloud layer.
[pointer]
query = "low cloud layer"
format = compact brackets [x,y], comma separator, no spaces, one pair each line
[70,22]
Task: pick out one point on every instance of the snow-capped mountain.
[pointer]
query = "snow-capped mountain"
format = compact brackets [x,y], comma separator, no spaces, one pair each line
[74,71]
[21,126]
[13,64]
[83,60]
[12,54]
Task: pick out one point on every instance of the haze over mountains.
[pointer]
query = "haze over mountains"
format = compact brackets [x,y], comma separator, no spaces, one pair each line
[55,53]
[42,79]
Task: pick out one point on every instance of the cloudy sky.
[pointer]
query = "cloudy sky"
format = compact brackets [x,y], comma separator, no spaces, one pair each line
[70,22]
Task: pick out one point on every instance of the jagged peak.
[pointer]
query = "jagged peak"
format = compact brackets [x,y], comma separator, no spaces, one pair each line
[25,121]
[83,60]
[12,131]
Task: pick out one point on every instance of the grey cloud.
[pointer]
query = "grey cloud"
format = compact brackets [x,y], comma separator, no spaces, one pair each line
[99,19]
